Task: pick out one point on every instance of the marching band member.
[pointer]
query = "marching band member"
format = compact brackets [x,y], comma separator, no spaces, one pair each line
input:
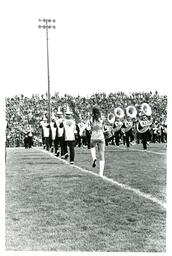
[117,130]
[108,133]
[81,133]
[128,129]
[30,137]
[45,133]
[69,126]
[144,124]
[84,133]
[88,132]
[77,136]
[161,132]
[85,137]
[116,121]
[26,141]
[52,135]
[7,134]
[97,138]
[137,134]
[59,141]
[164,132]
[143,128]
[159,129]
[154,131]
[123,135]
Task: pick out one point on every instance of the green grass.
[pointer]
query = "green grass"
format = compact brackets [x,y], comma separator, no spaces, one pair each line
[54,206]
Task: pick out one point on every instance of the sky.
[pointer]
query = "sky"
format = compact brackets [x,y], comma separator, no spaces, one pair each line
[97,46]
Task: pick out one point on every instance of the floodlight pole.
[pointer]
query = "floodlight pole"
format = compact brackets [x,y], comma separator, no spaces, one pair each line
[48,25]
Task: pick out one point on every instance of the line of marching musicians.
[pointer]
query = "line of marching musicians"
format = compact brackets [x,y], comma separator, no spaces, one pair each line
[62,134]
[133,128]
[129,132]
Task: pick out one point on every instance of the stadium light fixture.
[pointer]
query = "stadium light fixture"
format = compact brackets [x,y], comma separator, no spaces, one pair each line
[47,24]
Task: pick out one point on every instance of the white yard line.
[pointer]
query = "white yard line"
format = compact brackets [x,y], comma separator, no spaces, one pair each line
[123,186]
[153,152]
[135,150]
[148,151]
[132,149]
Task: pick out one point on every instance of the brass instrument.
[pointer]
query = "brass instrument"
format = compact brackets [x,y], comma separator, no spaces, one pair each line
[111,118]
[131,111]
[118,125]
[119,112]
[145,125]
[146,109]
[128,125]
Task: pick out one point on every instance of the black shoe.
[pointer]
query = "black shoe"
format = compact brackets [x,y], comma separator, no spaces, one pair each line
[58,153]
[71,162]
[66,155]
[94,163]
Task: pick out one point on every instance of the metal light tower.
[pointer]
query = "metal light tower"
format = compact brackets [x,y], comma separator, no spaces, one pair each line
[47,24]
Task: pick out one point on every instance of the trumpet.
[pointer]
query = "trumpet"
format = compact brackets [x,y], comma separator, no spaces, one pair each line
[131,111]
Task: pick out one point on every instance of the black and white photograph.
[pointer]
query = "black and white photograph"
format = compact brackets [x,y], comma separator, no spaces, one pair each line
[85,113]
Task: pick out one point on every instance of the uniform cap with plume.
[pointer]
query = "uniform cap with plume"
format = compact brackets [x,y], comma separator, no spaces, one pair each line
[59,112]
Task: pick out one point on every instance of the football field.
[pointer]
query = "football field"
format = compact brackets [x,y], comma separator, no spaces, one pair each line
[54,206]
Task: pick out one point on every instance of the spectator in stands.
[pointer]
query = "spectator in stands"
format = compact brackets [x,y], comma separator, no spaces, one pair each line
[21,110]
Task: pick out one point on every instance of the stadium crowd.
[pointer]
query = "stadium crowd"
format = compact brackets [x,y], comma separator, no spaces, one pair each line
[25,113]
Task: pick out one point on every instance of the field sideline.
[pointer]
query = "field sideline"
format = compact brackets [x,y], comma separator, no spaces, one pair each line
[123,186]
[53,206]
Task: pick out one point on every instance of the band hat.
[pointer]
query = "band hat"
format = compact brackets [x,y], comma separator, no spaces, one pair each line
[53,116]
[59,112]
[68,111]
[44,118]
